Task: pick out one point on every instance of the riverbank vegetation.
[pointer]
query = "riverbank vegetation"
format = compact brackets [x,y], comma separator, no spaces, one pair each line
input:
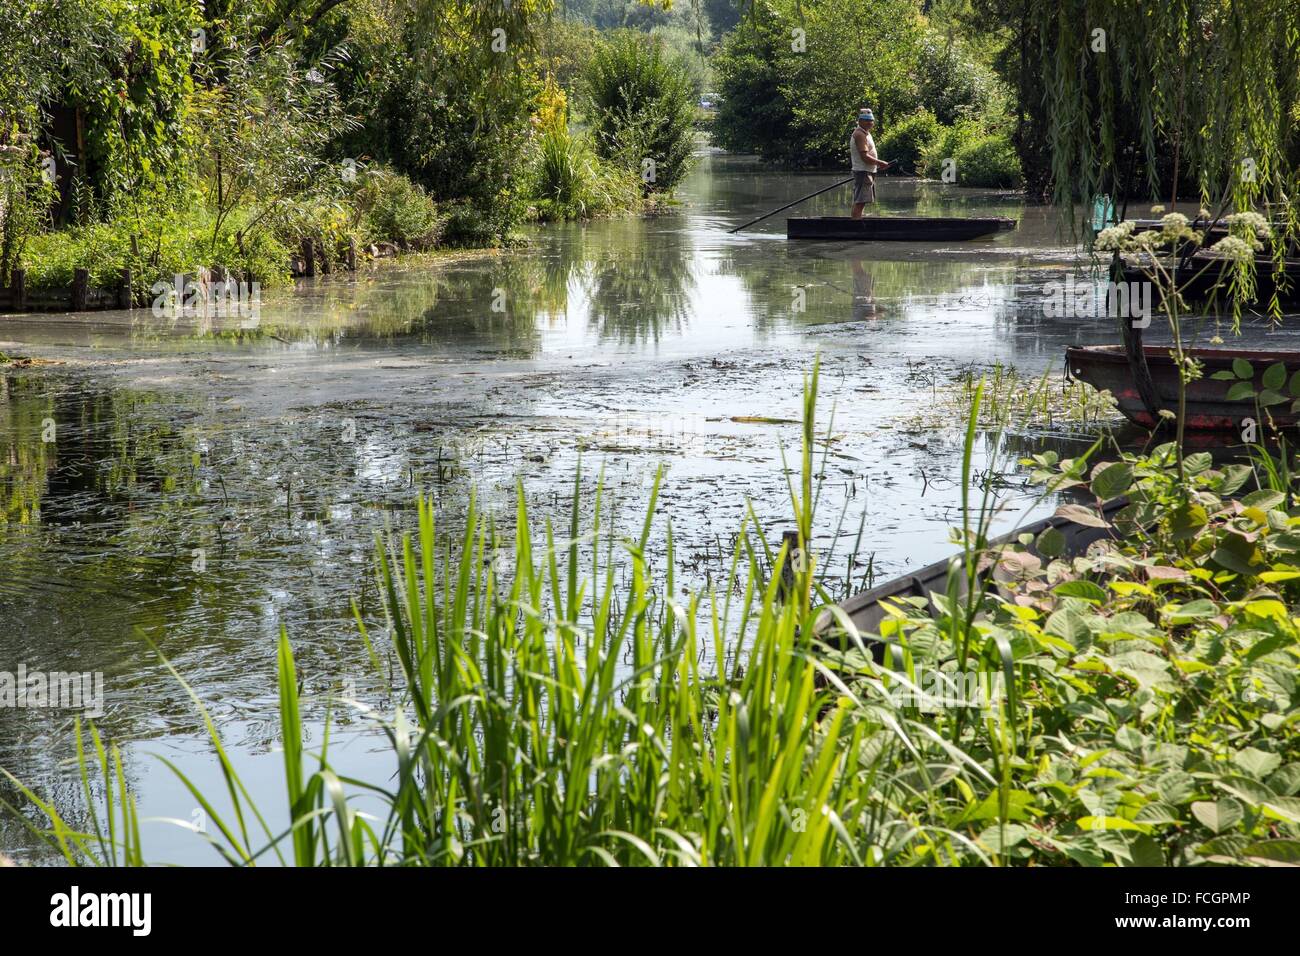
[791,74]
[183,137]
[1132,705]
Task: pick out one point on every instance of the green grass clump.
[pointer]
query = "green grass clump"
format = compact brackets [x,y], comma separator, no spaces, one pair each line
[568,180]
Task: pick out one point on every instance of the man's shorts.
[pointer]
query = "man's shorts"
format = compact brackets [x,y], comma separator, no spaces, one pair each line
[864,187]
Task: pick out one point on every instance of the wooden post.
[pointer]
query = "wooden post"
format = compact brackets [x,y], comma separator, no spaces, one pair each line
[19,290]
[308,259]
[324,256]
[124,297]
[80,289]
[352,254]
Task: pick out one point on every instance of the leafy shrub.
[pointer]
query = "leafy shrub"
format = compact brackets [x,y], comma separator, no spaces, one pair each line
[393,208]
[642,107]
[569,181]
[165,245]
[989,161]
[906,140]
[950,141]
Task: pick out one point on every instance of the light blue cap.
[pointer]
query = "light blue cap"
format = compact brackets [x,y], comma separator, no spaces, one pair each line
[867,115]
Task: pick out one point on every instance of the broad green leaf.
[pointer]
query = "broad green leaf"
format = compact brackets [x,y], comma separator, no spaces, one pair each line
[1191,611]
[1111,823]
[1218,816]
[1081,589]
[1242,368]
[1081,515]
[1112,481]
[1274,376]
[1051,543]
[1256,763]
[1275,851]
[1186,521]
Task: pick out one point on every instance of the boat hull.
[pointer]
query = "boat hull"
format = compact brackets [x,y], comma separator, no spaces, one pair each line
[1208,407]
[896,228]
[1202,276]
[867,609]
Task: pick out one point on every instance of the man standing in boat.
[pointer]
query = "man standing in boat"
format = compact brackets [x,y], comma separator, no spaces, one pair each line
[862,155]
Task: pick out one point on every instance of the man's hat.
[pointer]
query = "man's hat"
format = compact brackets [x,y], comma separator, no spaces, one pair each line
[867,115]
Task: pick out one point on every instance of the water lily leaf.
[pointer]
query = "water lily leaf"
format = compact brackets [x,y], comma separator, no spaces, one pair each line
[1081,515]
[1218,816]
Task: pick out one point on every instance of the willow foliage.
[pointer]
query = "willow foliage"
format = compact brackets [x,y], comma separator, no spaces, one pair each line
[1201,91]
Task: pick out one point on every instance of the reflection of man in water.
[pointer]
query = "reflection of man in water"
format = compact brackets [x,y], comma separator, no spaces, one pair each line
[864,302]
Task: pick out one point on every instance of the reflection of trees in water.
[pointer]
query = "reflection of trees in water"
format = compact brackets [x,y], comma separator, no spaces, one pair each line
[638,279]
[637,298]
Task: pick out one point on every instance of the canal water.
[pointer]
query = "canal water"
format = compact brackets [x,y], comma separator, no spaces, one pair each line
[202,482]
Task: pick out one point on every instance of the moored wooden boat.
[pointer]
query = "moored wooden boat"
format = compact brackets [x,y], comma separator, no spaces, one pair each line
[866,610]
[1208,407]
[1202,273]
[896,228]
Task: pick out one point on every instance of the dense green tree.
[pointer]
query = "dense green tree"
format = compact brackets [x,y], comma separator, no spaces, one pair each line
[793,75]
[641,105]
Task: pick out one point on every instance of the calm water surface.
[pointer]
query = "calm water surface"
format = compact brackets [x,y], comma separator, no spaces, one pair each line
[207,482]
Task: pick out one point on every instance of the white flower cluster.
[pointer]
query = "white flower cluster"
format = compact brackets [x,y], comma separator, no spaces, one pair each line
[1249,224]
[1174,222]
[1114,237]
[1233,249]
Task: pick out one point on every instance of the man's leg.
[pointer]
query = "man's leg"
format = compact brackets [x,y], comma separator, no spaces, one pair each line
[859,193]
